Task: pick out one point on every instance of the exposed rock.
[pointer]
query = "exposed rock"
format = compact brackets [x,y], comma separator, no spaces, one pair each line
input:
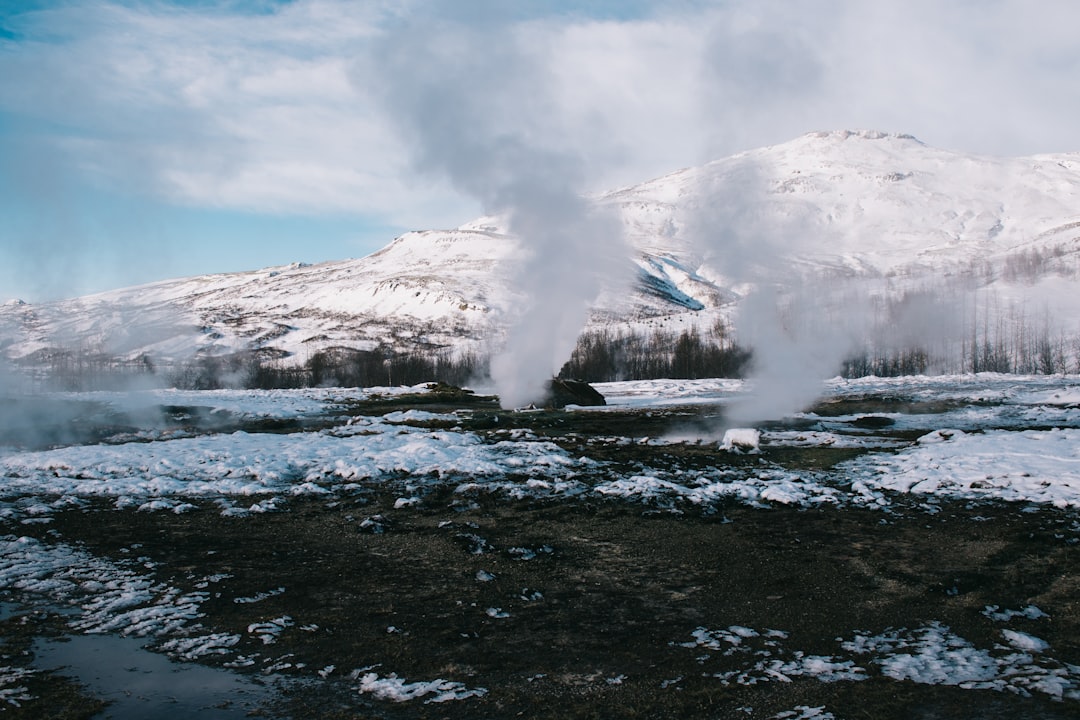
[572,392]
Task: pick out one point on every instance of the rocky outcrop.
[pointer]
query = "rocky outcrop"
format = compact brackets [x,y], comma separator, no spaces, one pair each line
[572,392]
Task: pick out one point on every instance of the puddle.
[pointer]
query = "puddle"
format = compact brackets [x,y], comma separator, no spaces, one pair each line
[139,683]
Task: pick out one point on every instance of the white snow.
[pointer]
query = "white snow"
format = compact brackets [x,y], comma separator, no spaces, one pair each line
[1024,641]
[932,214]
[997,614]
[107,597]
[246,464]
[269,631]
[980,447]
[741,440]
[805,712]
[12,692]
[278,404]
[397,689]
[1041,466]
[757,487]
[934,655]
[660,393]
[930,655]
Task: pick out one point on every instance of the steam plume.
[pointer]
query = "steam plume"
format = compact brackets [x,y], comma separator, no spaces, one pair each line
[799,328]
[478,108]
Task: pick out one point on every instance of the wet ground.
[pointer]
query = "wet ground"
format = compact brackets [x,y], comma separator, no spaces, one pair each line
[559,608]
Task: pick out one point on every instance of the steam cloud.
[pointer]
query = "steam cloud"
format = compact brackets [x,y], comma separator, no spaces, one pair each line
[799,328]
[799,324]
[478,106]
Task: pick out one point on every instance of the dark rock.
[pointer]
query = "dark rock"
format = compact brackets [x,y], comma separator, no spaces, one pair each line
[572,392]
[872,422]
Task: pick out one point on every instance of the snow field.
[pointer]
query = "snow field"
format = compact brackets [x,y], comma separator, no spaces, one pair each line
[929,655]
[248,472]
[243,464]
[1031,466]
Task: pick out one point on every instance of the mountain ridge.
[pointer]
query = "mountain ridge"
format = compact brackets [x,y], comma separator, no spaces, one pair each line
[879,207]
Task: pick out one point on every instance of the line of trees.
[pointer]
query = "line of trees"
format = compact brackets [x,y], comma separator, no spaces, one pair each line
[973,334]
[340,367]
[604,356]
[925,332]
[345,367]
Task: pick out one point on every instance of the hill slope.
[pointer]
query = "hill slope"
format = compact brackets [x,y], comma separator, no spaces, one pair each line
[882,208]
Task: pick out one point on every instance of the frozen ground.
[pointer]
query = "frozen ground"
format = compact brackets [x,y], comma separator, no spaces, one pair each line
[974,437]
[384,463]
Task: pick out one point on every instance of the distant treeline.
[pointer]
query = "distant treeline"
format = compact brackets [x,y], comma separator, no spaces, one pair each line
[993,337]
[336,367]
[974,333]
[605,356]
[342,367]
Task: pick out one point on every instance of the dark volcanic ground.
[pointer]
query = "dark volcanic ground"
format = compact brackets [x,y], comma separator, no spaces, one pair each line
[586,608]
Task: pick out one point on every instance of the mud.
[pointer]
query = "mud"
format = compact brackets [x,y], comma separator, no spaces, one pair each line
[599,597]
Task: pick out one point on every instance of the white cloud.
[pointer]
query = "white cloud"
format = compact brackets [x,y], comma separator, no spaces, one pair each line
[272,112]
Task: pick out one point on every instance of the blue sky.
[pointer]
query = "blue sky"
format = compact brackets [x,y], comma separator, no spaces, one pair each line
[147,139]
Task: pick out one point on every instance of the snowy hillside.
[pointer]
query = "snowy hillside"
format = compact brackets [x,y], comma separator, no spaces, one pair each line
[886,208]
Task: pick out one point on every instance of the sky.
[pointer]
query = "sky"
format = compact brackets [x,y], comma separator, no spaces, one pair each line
[149,139]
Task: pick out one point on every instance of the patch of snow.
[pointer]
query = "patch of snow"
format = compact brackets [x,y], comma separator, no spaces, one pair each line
[741,440]
[395,689]
[805,712]
[406,417]
[109,597]
[200,646]
[934,655]
[259,597]
[817,438]
[1041,466]
[12,692]
[1023,641]
[1030,612]
[270,630]
[759,487]
[931,655]
[240,464]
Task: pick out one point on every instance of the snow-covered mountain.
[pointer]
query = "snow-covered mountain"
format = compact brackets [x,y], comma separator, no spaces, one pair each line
[870,205]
